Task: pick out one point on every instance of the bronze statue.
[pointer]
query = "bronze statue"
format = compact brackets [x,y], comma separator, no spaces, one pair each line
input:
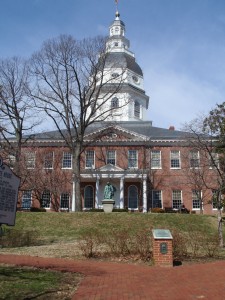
[109,191]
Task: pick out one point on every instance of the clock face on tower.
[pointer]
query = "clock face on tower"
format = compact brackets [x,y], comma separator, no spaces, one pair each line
[115,75]
[135,79]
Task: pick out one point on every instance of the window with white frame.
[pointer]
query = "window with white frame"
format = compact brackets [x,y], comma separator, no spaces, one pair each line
[64,201]
[114,103]
[175,159]
[48,160]
[215,199]
[46,199]
[156,199]
[194,159]
[156,159]
[11,160]
[111,157]
[132,158]
[89,159]
[88,196]
[196,199]
[176,199]
[132,197]
[214,160]
[67,160]
[137,109]
[30,160]
[26,200]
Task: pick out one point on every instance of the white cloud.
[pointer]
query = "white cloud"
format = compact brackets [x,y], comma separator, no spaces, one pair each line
[176,98]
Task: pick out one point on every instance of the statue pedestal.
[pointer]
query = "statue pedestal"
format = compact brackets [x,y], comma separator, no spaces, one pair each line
[108,205]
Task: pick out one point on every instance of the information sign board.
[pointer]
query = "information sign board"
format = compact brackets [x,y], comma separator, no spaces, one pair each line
[9,186]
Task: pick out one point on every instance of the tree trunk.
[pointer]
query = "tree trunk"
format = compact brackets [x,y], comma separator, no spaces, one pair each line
[17,170]
[76,178]
[220,228]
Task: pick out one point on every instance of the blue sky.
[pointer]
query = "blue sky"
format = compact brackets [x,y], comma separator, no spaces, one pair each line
[180,45]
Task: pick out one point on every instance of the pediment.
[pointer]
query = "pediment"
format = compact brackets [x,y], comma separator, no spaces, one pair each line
[114,133]
[110,168]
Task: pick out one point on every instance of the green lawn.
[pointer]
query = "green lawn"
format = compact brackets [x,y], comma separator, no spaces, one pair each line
[28,283]
[69,226]
[96,234]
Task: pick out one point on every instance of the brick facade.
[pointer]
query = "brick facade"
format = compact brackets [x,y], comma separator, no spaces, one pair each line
[162,181]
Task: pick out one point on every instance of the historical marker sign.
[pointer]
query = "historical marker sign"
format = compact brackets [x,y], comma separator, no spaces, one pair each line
[9,186]
[162,234]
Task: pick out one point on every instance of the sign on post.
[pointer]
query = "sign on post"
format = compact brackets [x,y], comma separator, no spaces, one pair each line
[9,186]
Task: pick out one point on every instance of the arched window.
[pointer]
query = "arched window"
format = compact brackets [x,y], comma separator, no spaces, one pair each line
[88,196]
[137,109]
[114,103]
[132,197]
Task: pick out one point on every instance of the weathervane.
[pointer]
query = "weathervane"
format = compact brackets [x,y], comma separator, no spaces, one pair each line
[116,1]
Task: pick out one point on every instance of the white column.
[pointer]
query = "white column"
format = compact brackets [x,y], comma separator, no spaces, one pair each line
[122,192]
[73,197]
[144,195]
[96,192]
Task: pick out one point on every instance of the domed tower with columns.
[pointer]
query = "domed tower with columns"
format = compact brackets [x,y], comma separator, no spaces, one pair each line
[122,69]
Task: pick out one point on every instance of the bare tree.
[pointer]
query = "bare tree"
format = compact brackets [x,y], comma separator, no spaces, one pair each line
[215,125]
[17,117]
[196,169]
[73,87]
[47,176]
[210,174]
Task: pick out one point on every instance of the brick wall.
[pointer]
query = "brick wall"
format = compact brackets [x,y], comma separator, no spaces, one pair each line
[165,260]
[164,179]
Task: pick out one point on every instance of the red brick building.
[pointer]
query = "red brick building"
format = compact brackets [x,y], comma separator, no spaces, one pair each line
[148,166]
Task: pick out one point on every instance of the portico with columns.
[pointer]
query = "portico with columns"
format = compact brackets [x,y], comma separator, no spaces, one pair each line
[130,188]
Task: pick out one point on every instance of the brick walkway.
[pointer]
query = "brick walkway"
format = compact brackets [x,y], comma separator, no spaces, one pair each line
[104,281]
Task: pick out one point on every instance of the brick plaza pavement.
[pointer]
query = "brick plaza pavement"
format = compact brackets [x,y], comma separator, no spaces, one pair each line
[115,281]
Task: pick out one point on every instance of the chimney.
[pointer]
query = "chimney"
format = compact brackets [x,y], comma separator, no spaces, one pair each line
[172,128]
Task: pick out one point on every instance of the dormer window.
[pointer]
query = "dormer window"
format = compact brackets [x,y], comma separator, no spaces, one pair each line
[116,44]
